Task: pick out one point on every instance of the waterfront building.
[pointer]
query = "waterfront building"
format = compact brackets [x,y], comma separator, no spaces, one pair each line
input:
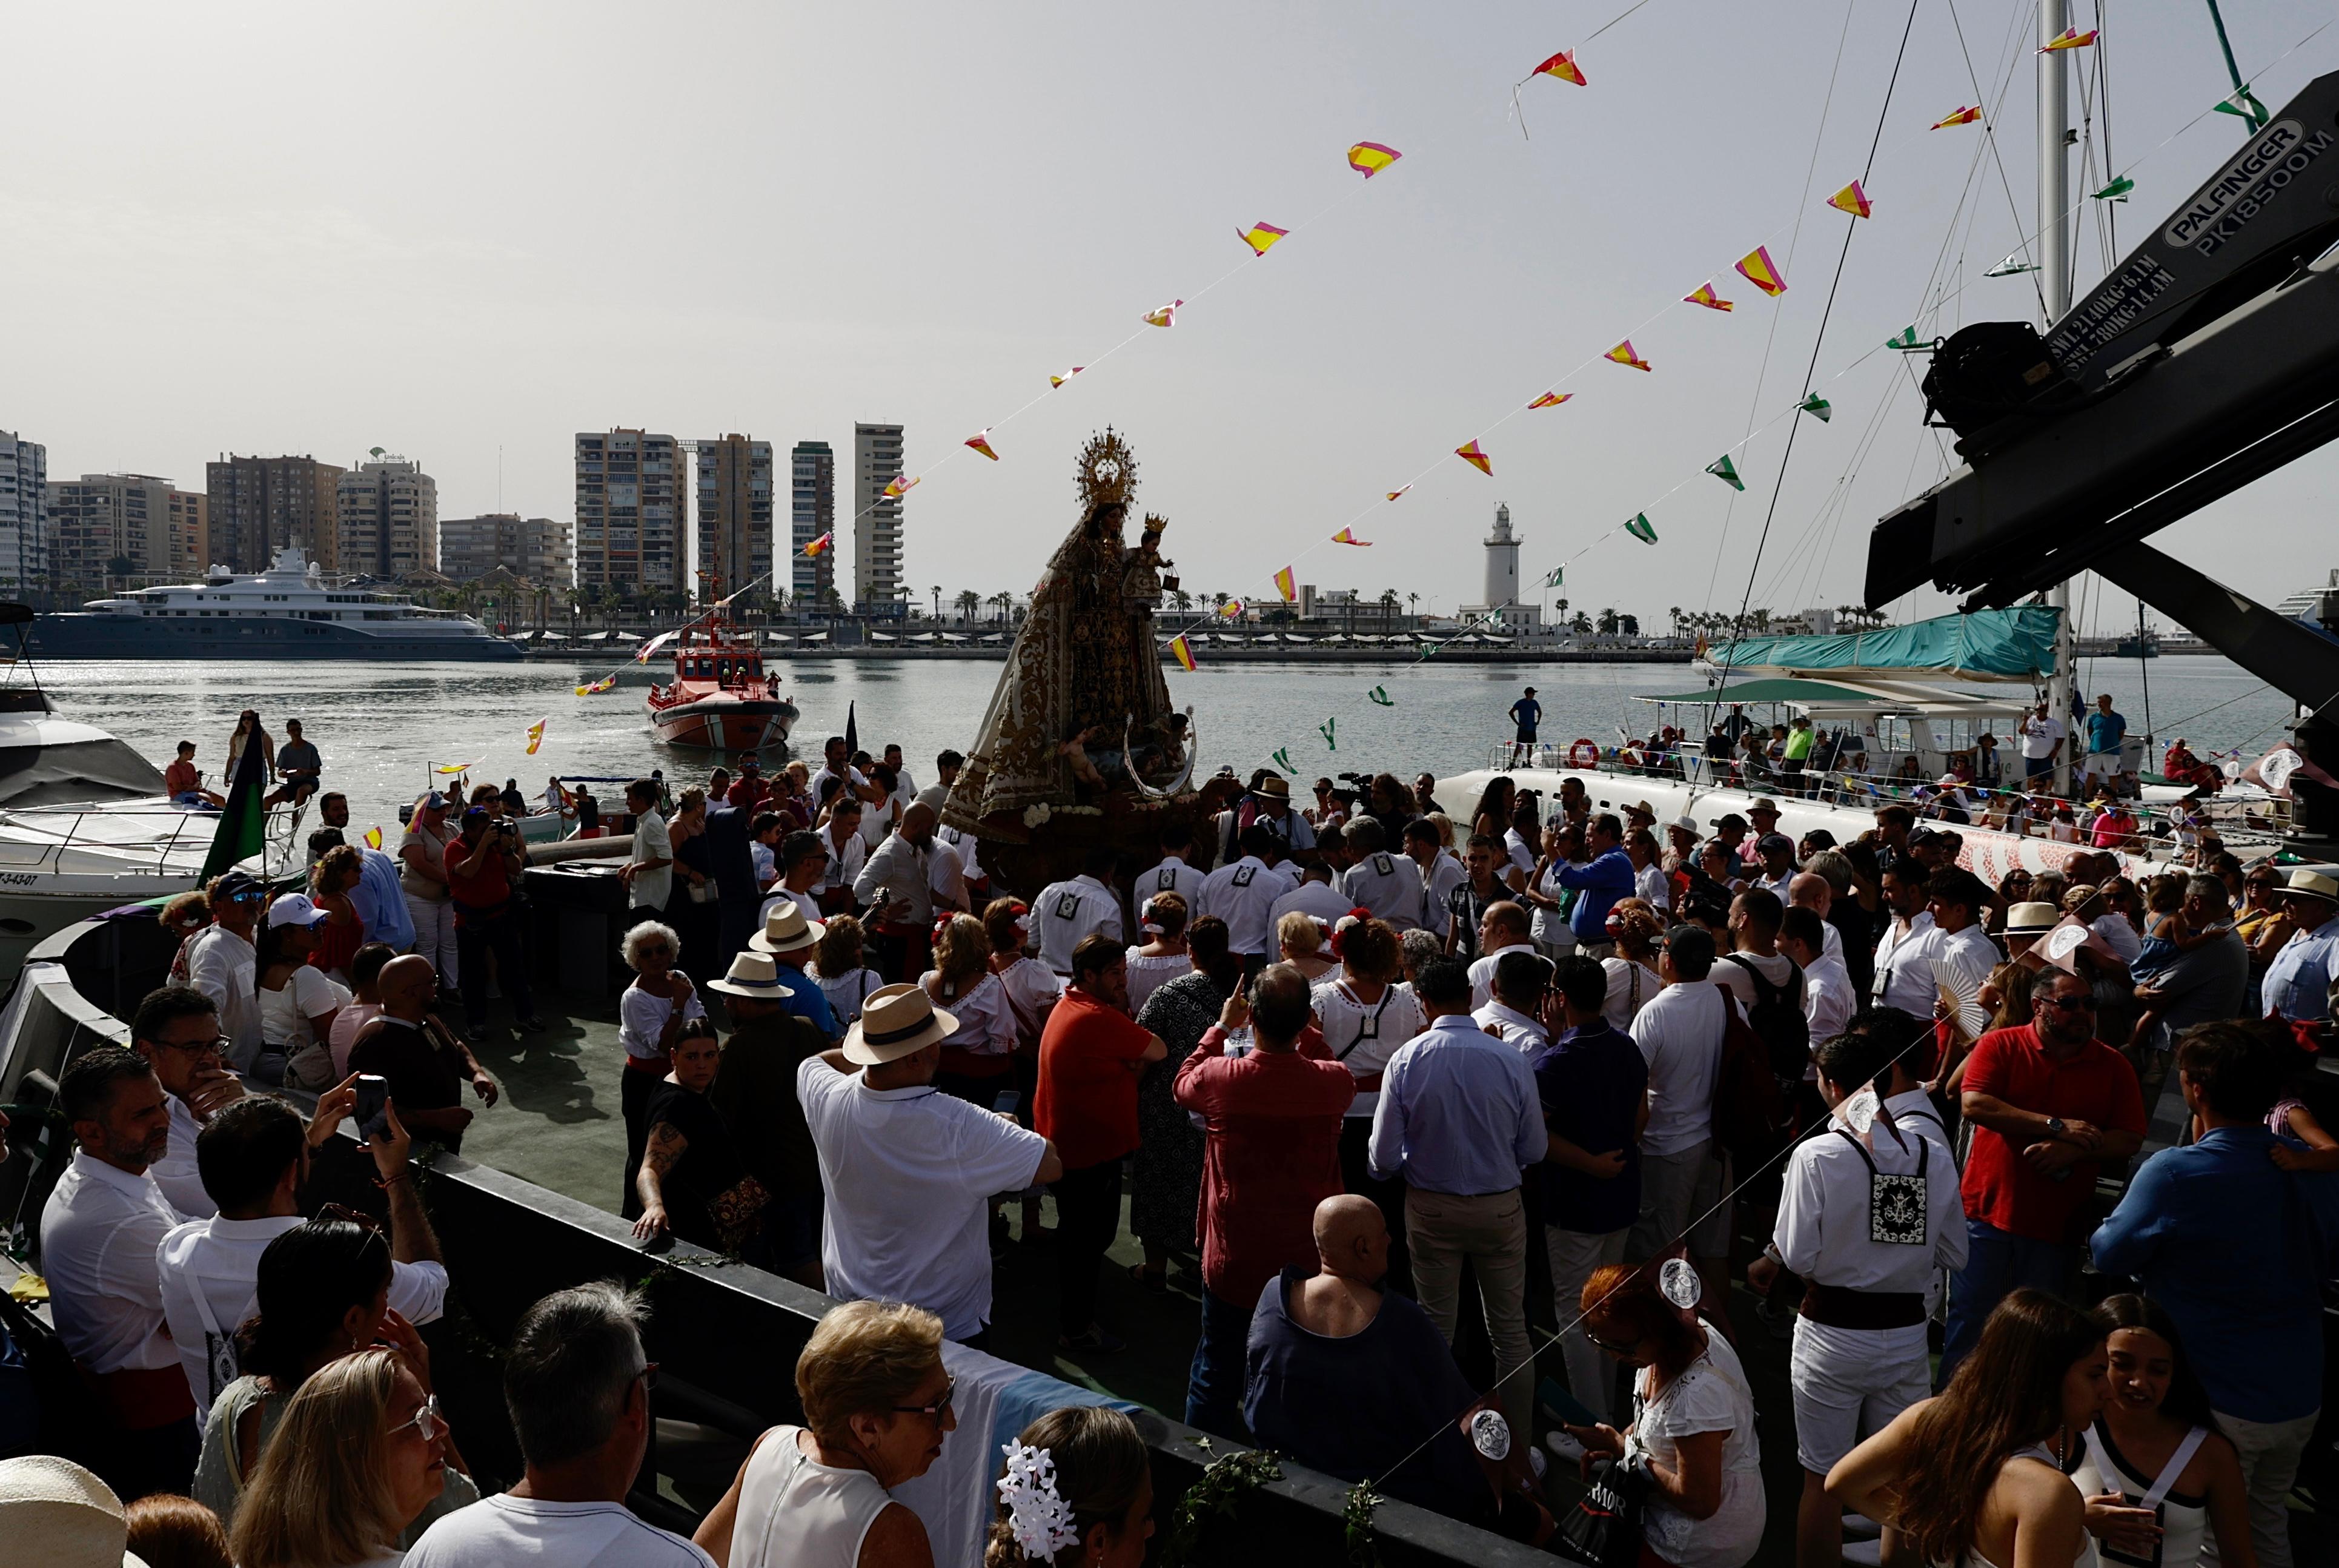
[539,550]
[735,512]
[1502,585]
[386,515]
[630,511]
[258,505]
[876,517]
[146,527]
[812,512]
[24,525]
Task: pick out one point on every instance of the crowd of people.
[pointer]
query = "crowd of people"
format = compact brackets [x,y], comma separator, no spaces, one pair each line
[1465,1130]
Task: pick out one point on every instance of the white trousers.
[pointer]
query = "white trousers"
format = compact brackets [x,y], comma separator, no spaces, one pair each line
[1575,1255]
[2270,1451]
[434,936]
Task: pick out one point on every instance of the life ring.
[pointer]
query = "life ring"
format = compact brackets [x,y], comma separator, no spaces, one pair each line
[1582,754]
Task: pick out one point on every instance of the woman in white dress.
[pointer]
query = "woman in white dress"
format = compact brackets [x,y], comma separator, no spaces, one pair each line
[2159,1478]
[1632,971]
[979,1056]
[877,1408]
[1162,955]
[1104,1477]
[1981,1476]
[1300,943]
[838,970]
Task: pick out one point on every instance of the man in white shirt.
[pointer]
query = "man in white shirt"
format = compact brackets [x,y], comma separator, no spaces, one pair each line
[1679,1033]
[846,854]
[220,961]
[1522,976]
[1962,955]
[1870,1212]
[98,1236]
[804,861]
[648,873]
[946,766]
[1315,897]
[577,1382]
[2042,742]
[1243,891]
[909,1172]
[255,1157]
[1441,873]
[896,887]
[1904,957]
[1811,890]
[835,765]
[1776,853]
[1505,925]
[1176,872]
[1270,805]
[177,1030]
[1829,999]
[1380,879]
[1070,913]
[905,788]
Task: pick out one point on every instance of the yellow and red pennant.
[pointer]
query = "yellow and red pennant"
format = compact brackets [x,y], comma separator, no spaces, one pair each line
[822,545]
[1233,609]
[1068,375]
[899,484]
[1704,294]
[1369,158]
[1759,270]
[1563,66]
[1551,400]
[1348,536]
[1399,491]
[603,685]
[1624,355]
[1163,315]
[1182,651]
[1261,237]
[535,736]
[1852,199]
[374,838]
[2069,38]
[1287,585]
[1964,116]
[1470,453]
[980,442]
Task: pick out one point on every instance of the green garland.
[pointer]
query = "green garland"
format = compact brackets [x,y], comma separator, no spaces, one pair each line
[1223,1484]
[1356,1521]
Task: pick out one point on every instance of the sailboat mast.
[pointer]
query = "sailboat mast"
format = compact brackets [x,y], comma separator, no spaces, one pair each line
[2055,283]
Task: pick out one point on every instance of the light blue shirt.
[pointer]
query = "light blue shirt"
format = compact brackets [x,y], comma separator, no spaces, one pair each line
[1604,880]
[2297,983]
[381,902]
[1458,1112]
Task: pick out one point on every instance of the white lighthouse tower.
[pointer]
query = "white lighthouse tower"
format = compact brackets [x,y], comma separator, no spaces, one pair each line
[1502,588]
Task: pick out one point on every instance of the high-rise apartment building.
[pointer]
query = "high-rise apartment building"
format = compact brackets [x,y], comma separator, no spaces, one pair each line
[876,516]
[145,526]
[258,505]
[388,519]
[536,548]
[25,525]
[812,512]
[734,514]
[630,510]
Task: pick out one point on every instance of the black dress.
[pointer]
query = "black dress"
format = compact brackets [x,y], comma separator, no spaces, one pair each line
[699,925]
[1166,1186]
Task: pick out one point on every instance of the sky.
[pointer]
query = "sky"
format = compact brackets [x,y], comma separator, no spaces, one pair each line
[465,232]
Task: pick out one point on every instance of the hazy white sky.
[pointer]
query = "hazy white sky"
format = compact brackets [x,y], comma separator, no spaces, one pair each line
[457,231]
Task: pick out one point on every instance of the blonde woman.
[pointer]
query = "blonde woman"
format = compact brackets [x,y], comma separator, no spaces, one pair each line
[360,1452]
[979,1056]
[1163,956]
[877,1408]
[837,966]
[1301,942]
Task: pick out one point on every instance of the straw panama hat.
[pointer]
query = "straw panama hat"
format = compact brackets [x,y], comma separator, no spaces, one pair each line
[2305,884]
[2031,919]
[58,1515]
[785,929]
[896,1020]
[1274,785]
[754,975]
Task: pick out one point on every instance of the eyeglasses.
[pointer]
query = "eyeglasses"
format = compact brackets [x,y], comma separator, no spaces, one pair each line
[212,1047]
[1610,1346]
[934,1411]
[2071,1003]
[427,1423]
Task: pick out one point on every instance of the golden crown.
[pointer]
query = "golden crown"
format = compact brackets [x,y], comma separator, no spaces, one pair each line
[1107,471]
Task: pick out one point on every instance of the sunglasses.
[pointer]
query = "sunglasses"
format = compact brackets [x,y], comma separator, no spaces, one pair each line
[2071,1003]
[427,1423]
[934,1411]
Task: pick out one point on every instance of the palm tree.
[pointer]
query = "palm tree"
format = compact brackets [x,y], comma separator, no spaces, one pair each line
[1182,599]
[938,601]
[1581,624]
[1413,605]
[1389,603]
[1002,602]
[1675,613]
[1608,622]
[968,602]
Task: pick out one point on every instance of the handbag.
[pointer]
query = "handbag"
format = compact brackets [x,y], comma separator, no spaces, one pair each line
[1604,1529]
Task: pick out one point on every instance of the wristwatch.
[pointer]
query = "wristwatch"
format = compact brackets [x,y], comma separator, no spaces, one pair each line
[2055,1128]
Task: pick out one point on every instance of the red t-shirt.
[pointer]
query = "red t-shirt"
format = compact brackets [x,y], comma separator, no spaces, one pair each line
[1272,1153]
[181,777]
[747,795]
[1086,1098]
[2096,1086]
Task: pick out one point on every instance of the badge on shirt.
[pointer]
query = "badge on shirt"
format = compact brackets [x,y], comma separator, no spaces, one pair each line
[1383,864]
[1166,879]
[1068,906]
[1243,874]
[1896,1208]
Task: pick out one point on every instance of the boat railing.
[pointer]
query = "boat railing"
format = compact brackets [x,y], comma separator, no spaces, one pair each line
[74,827]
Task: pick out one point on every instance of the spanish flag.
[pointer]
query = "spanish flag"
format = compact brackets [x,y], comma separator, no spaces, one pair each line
[1624,355]
[1704,294]
[1964,116]
[603,685]
[821,545]
[374,838]
[1183,653]
[980,442]
[1761,272]
[1348,536]
[1852,199]
[1551,400]
[899,484]
[535,735]
[1261,237]
[2069,38]
[1563,66]
[1369,158]
[1469,452]
[1287,585]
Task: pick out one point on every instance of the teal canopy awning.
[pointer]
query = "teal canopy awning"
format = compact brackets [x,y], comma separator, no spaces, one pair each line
[2008,644]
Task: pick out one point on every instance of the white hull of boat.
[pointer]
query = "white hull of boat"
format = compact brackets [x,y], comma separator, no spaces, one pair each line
[59,864]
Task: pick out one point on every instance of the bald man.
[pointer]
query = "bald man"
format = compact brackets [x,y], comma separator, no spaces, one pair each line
[896,887]
[1504,926]
[426,1063]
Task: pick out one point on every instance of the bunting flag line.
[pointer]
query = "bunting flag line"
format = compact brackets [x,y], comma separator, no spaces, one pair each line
[1551,400]
[1905,340]
[1369,158]
[1704,295]
[1966,115]
[1348,536]
[1233,608]
[1282,755]
[980,442]
[374,838]
[535,736]
[1325,729]
[1182,651]
[2116,191]
[1470,453]
[1399,491]
[457,769]
[1759,270]
[1723,468]
[1556,577]
[1163,315]
[1819,407]
[1260,236]
[1287,585]
[1624,355]
[1563,66]
[2010,267]
[2069,38]
[901,485]
[642,655]
[1379,695]
[2244,104]
[819,546]
[1641,528]
[603,685]
[1068,375]
[1852,199]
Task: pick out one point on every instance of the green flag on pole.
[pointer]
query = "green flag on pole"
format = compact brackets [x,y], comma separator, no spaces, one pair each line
[238,837]
[1641,528]
[2116,191]
[1818,406]
[1723,468]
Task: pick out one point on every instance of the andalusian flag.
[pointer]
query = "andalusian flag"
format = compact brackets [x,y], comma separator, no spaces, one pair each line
[535,736]
[1348,536]
[980,442]
[1723,468]
[2069,38]
[1260,236]
[1818,407]
[1563,66]
[2116,191]
[1470,453]
[900,486]
[1556,577]
[1964,116]
[1369,158]
[1905,340]
[1181,652]
[1624,355]
[1287,585]
[1761,272]
[1551,400]
[1704,295]
[239,835]
[1641,528]
[1852,199]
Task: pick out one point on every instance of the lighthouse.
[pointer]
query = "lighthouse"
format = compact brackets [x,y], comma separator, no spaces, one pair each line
[1502,585]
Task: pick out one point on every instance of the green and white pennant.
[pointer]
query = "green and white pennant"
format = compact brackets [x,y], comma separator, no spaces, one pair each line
[1641,528]
[1723,468]
[1818,407]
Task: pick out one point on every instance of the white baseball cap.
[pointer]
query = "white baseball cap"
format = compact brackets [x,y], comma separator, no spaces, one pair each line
[295,909]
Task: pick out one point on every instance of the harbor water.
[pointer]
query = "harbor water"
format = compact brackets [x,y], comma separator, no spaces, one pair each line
[381,728]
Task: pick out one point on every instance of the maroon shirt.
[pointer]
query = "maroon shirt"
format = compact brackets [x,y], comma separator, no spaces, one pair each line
[1271,1154]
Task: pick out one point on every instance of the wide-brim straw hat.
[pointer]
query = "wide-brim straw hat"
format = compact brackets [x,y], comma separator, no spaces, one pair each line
[753,975]
[54,1512]
[785,929]
[2032,919]
[896,1020]
[1274,785]
[2305,884]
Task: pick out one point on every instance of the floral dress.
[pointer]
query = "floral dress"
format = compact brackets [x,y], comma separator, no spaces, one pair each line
[1166,1187]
